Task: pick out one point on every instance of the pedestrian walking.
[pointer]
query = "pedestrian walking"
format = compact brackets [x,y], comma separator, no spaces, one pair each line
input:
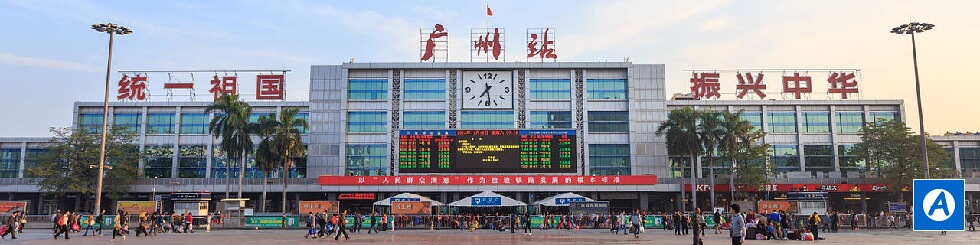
[188,223]
[342,227]
[374,222]
[696,225]
[62,225]
[717,219]
[207,227]
[11,226]
[737,227]
[814,222]
[970,218]
[527,223]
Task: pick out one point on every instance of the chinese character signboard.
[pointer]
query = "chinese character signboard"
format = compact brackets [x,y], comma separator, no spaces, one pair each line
[541,44]
[584,207]
[413,207]
[487,44]
[794,84]
[485,201]
[434,44]
[306,207]
[269,85]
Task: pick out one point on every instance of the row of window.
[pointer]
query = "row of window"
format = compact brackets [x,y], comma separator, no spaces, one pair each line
[162,123]
[786,158]
[192,163]
[377,121]
[372,159]
[815,122]
[435,89]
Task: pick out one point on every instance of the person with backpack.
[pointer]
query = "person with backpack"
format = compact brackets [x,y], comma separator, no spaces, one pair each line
[341,223]
[62,224]
[814,223]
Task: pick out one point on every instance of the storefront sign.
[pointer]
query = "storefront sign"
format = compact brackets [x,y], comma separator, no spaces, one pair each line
[485,201]
[408,199]
[7,206]
[777,205]
[137,207]
[306,207]
[411,208]
[356,196]
[583,207]
[563,201]
[270,222]
[796,84]
[490,180]
[801,187]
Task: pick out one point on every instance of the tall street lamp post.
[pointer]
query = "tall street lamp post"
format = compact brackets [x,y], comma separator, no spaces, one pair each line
[112,30]
[911,29]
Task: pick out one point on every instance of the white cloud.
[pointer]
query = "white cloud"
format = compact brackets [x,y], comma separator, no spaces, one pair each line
[714,24]
[46,63]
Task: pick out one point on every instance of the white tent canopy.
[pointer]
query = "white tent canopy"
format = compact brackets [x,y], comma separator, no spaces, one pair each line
[487,199]
[407,197]
[562,200]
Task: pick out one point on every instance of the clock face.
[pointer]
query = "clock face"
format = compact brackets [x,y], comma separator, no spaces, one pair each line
[487,90]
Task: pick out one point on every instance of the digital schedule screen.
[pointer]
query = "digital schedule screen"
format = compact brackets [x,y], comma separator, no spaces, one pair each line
[487,151]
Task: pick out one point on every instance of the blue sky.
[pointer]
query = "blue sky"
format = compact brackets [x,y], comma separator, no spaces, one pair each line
[50,58]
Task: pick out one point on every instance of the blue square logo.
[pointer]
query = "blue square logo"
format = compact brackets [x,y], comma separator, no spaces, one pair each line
[937,204]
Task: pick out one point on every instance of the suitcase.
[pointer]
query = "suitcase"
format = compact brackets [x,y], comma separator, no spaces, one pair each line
[3,229]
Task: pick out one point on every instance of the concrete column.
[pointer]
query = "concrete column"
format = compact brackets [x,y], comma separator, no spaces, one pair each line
[864,202]
[644,201]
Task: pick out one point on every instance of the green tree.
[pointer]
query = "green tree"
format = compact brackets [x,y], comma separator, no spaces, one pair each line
[289,144]
[233,128]
[740,143]
[681,132]
[895,156]
[67,165]
[710,132]
[266,158]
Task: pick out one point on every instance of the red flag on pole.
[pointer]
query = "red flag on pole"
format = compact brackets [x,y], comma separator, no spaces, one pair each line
[489,12]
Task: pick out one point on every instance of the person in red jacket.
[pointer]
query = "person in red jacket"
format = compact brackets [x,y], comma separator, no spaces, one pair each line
[188,222]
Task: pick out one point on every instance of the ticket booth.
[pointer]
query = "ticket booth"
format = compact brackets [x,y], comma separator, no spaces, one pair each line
[195,203]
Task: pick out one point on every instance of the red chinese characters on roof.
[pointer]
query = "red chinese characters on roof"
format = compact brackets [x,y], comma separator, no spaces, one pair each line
[746,84]
[224,85]
[705,85]
[546,49]
[132,88]
[797,84]
[430,44]
[485,44]
[842,84]
[269,87]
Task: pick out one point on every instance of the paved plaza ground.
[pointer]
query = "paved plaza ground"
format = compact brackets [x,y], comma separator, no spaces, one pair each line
[456,237]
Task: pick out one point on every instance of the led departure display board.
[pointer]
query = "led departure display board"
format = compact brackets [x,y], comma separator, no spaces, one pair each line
[487,151]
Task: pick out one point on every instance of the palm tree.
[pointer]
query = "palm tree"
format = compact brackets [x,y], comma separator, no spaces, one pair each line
[233,128]
[734,138]
[710,132]
[681,132]
[266,157]
[289,144]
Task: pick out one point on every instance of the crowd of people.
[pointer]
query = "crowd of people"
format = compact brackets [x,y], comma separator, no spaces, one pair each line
[147,224]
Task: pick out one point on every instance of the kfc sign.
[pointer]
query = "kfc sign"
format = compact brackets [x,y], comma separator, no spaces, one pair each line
[796,84]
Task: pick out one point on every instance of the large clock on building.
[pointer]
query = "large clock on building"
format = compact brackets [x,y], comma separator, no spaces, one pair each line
[487,90]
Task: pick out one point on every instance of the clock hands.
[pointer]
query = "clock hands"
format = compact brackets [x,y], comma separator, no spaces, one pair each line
[486,90]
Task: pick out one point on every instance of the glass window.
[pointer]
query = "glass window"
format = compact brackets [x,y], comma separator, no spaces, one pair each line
[220,166]
[606,89]
[849,122]
[33,158]
[128,122]
[487,120]
[161,123]
[785,158]
[782,122]
[424,120]
[609,159]
[551,89]
[819,158]
[158,162]
[367,89]
[90,123]
[680,167]
[254,117]
[950,162]
[849,160]
[425,89]
[298,170]
[816,122]
[9,162]
[192,161]
[367,160]
[755,118]
[969,158]
[367,121]
[609,121]
[194,123]
[306,117]
[551,119]
[884,115]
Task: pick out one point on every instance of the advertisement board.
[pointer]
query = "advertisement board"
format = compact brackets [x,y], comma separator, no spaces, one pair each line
[582,207]
[271,221]
[7,206]
[137,207]
[411,208]
[306,207]
[789,206]
[487,151]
